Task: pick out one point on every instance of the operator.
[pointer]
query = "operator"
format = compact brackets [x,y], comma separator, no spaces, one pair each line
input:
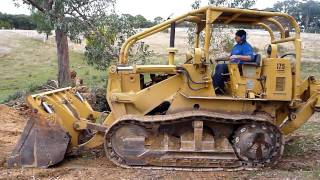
[241,52]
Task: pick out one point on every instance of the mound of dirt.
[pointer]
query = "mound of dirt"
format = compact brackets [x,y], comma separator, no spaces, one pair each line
[11,126]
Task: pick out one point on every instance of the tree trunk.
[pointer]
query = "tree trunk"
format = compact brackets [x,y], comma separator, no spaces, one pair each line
[64,78]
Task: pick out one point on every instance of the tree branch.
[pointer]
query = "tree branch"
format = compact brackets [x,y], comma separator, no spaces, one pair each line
[34,4]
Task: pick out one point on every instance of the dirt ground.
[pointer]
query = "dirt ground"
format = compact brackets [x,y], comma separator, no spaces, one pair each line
[301,159]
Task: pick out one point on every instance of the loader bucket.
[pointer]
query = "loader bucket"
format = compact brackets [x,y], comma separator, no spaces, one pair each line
[51,132]
[41,144]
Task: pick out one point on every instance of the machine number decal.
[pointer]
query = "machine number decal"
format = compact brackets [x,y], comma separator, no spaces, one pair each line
[281,67]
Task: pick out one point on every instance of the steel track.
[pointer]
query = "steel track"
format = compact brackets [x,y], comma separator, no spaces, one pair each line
[149,121]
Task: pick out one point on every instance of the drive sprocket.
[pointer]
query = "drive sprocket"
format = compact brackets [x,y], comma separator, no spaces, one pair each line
[258,144]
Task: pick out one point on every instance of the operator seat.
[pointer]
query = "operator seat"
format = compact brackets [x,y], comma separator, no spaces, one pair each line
[252,69]
[257,61]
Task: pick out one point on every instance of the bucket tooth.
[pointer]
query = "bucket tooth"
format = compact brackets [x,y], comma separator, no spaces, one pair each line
[41,144]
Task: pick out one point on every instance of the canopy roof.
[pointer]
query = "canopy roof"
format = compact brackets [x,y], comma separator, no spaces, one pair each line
[221,15]
[241,16]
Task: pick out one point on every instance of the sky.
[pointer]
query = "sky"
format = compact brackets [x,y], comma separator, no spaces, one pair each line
[148,8]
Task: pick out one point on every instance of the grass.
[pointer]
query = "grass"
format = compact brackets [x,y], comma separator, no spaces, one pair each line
[31,63]
[310,68]
[305,141]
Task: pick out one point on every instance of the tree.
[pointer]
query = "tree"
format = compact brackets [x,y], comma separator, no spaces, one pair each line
[307,13]
[233,3]
[103,47]
[158,20]
[42,23]
[5,24]
[141,22]
[17,21]
[310,14]
[71,18]
[191,29]
[291,7]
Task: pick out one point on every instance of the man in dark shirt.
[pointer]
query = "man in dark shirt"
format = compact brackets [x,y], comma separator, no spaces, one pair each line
[240,53]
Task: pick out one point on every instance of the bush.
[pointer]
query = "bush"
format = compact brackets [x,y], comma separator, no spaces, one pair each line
[9,21]
[14,96]
[5,24]
[141,53]
[227,44]
[282,49]
[103,46]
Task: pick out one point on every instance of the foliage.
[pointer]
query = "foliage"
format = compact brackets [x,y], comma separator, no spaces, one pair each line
[222,41]
[227,44]
[307,13]
[80,17]
[93,20]
[137,21]
[141,22]
[42,23]
[73,19]
[13,97]
[141,53]
[158,20]
[233,3]
[9,21]
[102,47]
[5,24]
[192,29]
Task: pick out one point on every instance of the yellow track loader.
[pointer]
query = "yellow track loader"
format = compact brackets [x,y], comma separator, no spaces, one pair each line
[169,116]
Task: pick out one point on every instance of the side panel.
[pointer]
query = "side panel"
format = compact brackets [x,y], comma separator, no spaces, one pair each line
[237,84]
[190,89]
[143,101]
[278,79]
[199,83]
[182,103]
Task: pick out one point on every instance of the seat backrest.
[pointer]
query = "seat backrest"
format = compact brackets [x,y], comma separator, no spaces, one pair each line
[257,60]
[252,69]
